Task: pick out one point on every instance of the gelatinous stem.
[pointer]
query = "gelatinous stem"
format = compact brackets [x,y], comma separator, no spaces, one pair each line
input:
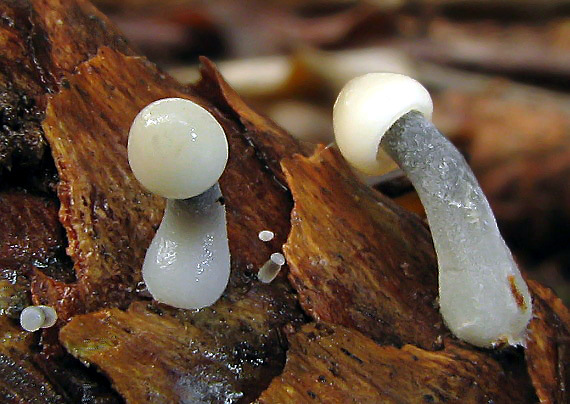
[188,262]
[482,296]
[271,268]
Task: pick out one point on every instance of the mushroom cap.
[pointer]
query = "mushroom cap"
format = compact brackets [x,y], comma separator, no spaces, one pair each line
[32,318]
[367,107]
[50,316]
[176,148]
[266,235]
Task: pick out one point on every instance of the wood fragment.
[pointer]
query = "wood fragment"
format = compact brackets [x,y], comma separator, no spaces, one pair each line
[101,206]
[334,364]
[548,346]
[225,354]
[20,381]
[356,258]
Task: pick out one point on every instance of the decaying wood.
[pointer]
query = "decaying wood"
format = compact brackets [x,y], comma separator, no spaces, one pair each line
[108,217]
[357,280]
[103,212]
[40,40]
[356,258]
[31,233]
[86,125]
[548,348]
[229,354]
[334,364]
[20,380]
[27,376]
[31,241]
[31,236]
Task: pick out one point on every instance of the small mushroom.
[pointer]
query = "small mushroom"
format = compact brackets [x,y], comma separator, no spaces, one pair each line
[271,268]
[266,235]
[178,150]
[482,295]
[32,318]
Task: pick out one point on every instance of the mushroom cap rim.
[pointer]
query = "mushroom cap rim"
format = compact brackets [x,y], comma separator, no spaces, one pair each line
[365,110]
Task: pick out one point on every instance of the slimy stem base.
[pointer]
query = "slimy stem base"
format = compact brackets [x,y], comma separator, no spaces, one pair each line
[482,296]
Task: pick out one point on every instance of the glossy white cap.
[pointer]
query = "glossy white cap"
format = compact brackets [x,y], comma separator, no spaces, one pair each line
[33,318]
[366,108]
[176,148]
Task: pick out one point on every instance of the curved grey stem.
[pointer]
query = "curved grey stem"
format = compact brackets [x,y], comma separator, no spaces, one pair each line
[483,298]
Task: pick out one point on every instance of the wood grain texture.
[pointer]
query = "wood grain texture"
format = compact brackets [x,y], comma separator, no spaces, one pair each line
[333,364]
[356,258]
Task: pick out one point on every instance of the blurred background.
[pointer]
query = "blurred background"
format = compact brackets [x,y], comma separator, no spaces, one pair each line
[498,70]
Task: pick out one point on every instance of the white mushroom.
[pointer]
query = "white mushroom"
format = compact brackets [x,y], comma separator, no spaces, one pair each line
[271,268]
[266,235]
[482,295]
[178,150]
[32,318]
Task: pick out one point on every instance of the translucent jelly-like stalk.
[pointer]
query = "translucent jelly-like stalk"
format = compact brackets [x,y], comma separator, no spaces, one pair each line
[188,262]
[482,296]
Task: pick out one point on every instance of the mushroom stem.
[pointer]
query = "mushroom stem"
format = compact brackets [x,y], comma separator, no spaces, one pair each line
[188,262]
[482,295]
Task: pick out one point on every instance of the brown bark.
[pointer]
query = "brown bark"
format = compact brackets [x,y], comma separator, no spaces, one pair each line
[334,364]
[356,258]
[548,349]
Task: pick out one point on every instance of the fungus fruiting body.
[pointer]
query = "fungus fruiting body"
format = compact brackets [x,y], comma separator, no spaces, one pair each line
[271,268]
[266,235]
[178,150]
[482,295]
[33,318]
[366,108]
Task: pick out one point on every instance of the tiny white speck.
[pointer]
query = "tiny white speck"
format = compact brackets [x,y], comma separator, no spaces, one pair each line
[266,235]
[193,134]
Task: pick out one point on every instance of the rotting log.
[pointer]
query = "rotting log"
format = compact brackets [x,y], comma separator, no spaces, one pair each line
[86,85]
